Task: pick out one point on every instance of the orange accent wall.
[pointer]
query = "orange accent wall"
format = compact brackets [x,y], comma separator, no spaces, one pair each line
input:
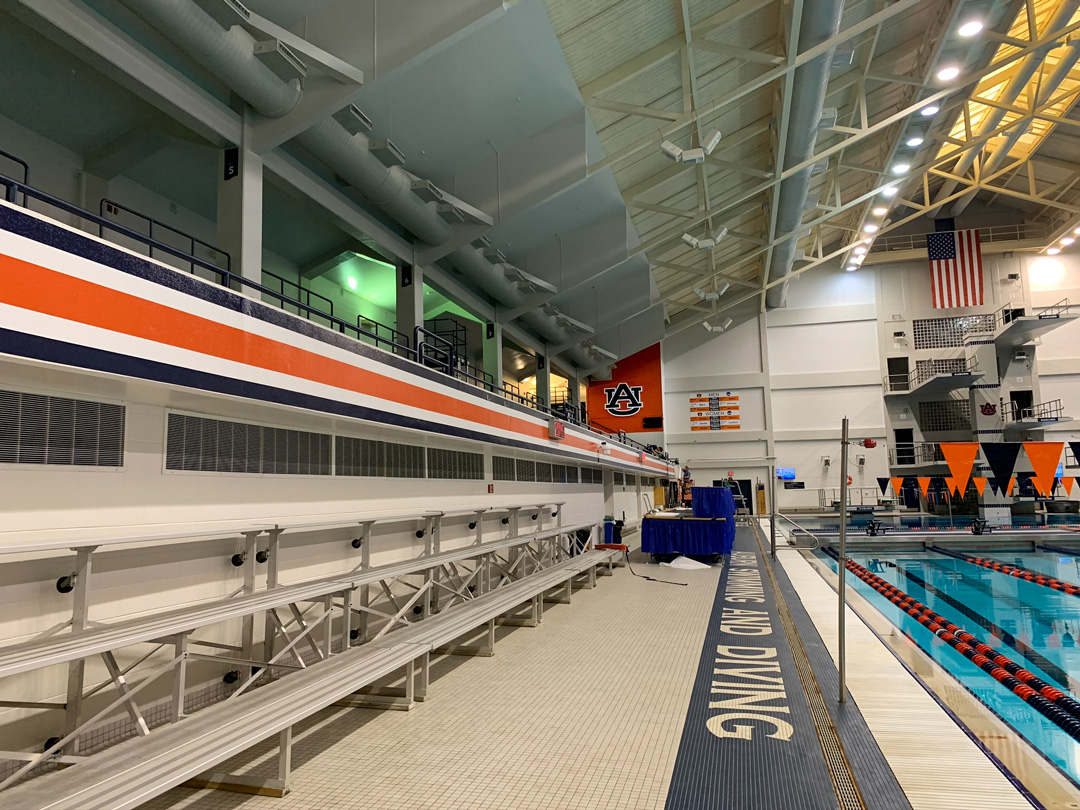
[641,370]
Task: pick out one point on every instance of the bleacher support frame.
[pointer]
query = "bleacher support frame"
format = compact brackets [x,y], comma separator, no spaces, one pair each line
[389,618]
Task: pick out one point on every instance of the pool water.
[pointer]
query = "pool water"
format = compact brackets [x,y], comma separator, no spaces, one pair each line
[858,521]
[1035,626]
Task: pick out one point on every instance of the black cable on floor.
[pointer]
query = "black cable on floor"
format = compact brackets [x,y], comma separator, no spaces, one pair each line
[643,576]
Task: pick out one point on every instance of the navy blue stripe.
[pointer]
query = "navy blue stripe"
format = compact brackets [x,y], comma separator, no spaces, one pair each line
[760,773]
[70,354]
[78,244]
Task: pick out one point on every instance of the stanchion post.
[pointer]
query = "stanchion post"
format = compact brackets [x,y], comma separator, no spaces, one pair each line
[772,510]
[841,647]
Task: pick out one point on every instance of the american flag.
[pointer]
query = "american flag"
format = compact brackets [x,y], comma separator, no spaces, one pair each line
[956,277]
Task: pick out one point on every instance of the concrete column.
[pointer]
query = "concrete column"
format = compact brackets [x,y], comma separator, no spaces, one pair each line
[410,299]
[493,354]
[573,386]
[543,378]
[240,206]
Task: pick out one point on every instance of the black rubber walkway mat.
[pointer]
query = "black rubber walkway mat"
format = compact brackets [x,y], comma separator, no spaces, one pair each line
[749,742]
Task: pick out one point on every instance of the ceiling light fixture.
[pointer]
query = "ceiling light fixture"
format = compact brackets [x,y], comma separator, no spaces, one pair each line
[860,251]
[930,109]
[889,191]
[970,29]
[880,211]
[351,281]
[851,268]
[901,168]
[1054,251]
[1068,240]
[712,140]
[671,150]
[691,240]
[947,74]
[870,227]
[915,140]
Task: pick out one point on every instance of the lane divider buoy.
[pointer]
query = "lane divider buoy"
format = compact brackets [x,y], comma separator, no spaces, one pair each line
[1026,574]
[1052,703]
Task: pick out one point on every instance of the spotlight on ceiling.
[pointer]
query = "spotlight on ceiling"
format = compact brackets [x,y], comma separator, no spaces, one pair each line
[671,150]
[725,324]
[712,140]
[1054,251]
[691,240]
[851,268]
[870,227]
[860,251]
[901,168]
[970,29]
[889,191]
[880,211]
[947,74]
[1067,240]
[711,296]
[930,109]
[693,156]
[914,140]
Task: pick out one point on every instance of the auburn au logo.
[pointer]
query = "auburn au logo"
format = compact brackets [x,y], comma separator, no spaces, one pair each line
[623,399]
[988,409]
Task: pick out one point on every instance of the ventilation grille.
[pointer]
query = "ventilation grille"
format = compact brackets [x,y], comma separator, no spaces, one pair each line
[631,481]
[592,475]
[39,429]
[214,445]
[945,333]
[455,464]
[365,457]
[619,479]
[543,472]
[526,470]
[503,468]
[949,414]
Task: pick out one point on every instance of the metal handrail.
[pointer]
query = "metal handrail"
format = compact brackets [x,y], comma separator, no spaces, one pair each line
[1044,411]
[301,289]
[995,233]
[105,223]
[918,452]
[423,339]
[802,529]
[1055,310]
[12,194]
[398,342]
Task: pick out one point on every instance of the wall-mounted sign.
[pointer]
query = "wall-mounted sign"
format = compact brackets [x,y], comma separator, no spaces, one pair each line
[785,473]
[715,410]
[556,429]
[794,485]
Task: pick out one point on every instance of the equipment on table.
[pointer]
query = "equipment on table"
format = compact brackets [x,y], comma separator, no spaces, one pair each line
[980,526]
[709,532]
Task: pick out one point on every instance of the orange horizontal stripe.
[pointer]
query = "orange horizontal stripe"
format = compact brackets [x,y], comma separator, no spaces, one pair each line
[39,289]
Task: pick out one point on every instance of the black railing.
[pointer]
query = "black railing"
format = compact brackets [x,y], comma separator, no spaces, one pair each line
[111,207]
[431,349]
[302,293]
[12,193]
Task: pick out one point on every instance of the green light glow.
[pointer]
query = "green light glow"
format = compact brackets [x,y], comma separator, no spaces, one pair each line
[351,281]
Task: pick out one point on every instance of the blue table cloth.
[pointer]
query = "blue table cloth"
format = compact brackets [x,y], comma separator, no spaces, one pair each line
[693,537]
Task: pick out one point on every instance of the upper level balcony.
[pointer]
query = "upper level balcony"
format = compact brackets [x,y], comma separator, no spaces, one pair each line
[934,377]
[425,359]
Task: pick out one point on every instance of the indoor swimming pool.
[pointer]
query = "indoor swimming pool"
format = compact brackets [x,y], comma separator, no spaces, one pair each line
[1030,624]
[857,521]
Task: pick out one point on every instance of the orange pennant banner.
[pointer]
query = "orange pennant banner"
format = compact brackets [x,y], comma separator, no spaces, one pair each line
[897,485]
[960,456]
[1068,484]
[1044,458]
[924,485]
[980,485]
[1040,487]
[950,484]
[1009,488]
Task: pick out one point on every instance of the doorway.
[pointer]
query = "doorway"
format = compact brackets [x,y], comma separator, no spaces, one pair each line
[1022,401]
[904,442]
[899,369]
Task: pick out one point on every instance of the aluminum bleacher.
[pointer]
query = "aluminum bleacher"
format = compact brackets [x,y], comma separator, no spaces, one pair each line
[346,632]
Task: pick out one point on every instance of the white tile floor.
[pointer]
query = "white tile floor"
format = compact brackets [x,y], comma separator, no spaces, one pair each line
[585,711]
